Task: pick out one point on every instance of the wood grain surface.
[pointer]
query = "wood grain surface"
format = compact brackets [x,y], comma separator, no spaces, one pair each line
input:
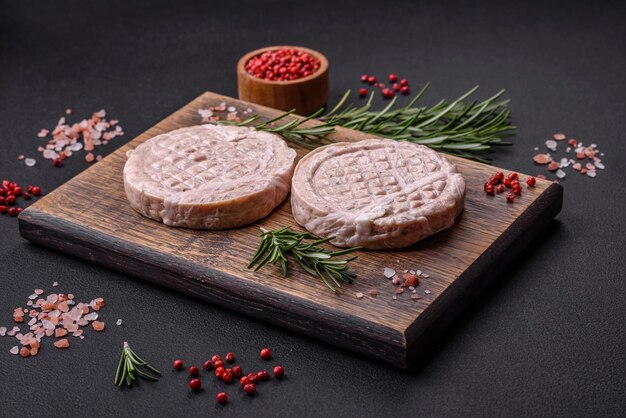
[212,264]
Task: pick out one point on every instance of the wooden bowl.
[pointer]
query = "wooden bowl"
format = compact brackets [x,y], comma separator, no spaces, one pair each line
[306,95]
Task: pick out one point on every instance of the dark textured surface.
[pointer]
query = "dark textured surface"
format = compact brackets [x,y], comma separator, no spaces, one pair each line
[547,339]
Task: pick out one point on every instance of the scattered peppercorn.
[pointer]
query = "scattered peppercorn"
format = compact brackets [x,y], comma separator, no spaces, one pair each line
[393,77]
[57,162]
[371,80]
[219,371]
[218,363]
[207,365]
[237,371]
[263,376]
[195,384]
[279,371]
[364,78]
[222,397]
[194,371]
[362,92]
[266,353]
[178,364]
[250,388]
[531,181]
[230,357]
[227,377]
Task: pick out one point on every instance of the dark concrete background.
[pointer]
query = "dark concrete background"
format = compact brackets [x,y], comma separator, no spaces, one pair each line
[548,339]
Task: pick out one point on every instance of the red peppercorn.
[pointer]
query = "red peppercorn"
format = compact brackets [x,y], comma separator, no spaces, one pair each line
[237,371]
[10,199]
[17,191]
[396,86]
[266,353]
[36,190]
[517,189]
[3,209]
[26,196]
[499,175]
[507,182]
[222,397]
[29,189]
[371,80]
[218,363]
[19,210]
[263,375]
[500,188]
[510,197]
[362,92]
[252,377]
[207,365]
[244,380]
[531,181]
[12,185]
[195,384]
[219,371]
[404,82]
[393,77]
[250,388]
[178,364]
[364,78]
[490,189]
[513,176]
[279,371]
[387,93]
[230,357]
[13,212]
[57,162]
[2,200]
[194,371]
[215,358]
[227,377]
[405,90]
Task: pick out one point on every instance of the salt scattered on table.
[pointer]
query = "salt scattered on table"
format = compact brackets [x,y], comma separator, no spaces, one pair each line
[118,322]
[551,145]
[55,284]
[428,292]
[560,173]
[14,350]
[359,295]
[389,273]
[30,162]
[3,331]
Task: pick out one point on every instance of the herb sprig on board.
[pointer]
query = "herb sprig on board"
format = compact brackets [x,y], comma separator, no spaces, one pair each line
[304,248]
[130,366]
[460,127]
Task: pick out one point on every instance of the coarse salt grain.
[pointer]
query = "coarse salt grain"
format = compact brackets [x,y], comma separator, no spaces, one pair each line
[14,350]
[551,145]
[3,331]
[560,173]
[118,322]
[389,272]
[359,295]
[428,292]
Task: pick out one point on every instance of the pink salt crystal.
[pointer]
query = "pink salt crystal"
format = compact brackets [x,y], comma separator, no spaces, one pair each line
[68,111]
[38,291]
[49,332]
[64,343]
[3,331]
[55,284]
[32,321]
[89,157]
[77,333]
[14,350]
[100,114]
[358,295]
[99,158]
[60,332]
[91,317]
[47,324]
[52,298]
[99,326]
[559,137]
[21,157]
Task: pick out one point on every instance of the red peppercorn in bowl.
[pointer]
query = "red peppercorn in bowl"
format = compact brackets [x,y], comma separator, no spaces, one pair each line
[285,78]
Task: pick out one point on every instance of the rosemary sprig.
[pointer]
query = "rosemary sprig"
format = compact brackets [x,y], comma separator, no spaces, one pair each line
[466,129]
[462,128]
[276,245]
[130,364]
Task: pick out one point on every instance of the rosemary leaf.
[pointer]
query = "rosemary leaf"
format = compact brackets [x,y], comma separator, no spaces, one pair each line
[276,245]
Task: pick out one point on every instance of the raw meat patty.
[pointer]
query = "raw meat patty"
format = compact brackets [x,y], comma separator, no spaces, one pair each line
[209,176]
[376,193]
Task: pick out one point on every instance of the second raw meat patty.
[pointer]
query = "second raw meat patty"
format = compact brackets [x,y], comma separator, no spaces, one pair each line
[376,193]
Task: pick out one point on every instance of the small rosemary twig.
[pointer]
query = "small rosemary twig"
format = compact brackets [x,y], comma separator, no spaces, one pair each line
[276,245]
[130,364]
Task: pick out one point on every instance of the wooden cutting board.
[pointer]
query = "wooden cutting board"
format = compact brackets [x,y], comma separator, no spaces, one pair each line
[89,217]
